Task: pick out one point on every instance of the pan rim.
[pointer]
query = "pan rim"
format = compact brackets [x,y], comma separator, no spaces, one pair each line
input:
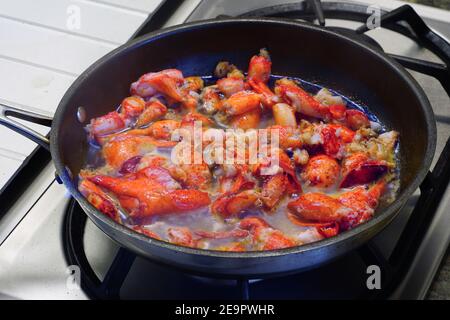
[388,213]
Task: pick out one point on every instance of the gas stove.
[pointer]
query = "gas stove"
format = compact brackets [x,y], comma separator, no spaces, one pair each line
[50,250]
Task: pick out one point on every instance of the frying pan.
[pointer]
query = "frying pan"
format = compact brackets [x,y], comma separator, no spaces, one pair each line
[297,49]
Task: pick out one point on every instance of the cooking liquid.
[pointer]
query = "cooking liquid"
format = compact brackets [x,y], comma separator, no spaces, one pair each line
[203,220]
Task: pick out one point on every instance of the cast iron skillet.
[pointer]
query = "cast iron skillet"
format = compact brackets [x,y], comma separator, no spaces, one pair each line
[297,49]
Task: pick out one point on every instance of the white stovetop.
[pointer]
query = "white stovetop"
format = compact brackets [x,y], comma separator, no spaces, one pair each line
[44,49]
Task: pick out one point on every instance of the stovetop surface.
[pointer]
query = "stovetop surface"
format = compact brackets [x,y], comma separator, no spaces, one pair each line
[32,261]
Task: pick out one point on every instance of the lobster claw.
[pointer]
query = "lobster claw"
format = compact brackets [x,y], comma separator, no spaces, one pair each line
[329,230]
[325,229]
[362,201]
[318,207]
[229,205]
[331,215]
[99,199]
[321,171]
[152,191]
[264,236]
[358,169]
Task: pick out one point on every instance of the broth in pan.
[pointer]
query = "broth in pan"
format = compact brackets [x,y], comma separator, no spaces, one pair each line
[238,161]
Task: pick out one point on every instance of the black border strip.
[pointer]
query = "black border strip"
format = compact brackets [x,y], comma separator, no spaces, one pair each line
[31,167]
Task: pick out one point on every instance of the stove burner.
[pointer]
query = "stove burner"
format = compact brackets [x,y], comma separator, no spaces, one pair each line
[403,20]
[361,37]
[313,10]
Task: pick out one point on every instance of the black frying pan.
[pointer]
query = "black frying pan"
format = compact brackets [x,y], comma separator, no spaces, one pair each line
[297,49]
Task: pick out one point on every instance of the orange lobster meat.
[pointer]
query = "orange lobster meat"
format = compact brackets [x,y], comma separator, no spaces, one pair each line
[359,169]
[230,85]
[193,84]
[155,190]
[153,111]
[211,102]
[177,201]
[302,101]
[268,97]
[241,102]
[107,124]
[309,106]
[247,120]
[289,137]
[259,68]
[356,119]
[318,207]
[128,185]
[284,115]
[348,209]
[334,138]
[264,236]
[362,201]
[321,171]
[193,176]
[145,86]
[273,190]
[236,182]
[163,129]
[190,118]
[132,107]
[181,236]
[278,162]
[99,199]
[167,82]
[338,112]
[229,205]
[121,148]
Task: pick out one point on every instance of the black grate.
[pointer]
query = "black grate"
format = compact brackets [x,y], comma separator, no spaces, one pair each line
[403,20]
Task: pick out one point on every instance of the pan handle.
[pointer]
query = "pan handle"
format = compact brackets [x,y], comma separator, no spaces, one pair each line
[6,112]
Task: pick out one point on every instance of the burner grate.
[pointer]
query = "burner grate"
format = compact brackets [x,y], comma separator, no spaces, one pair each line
[403,20]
